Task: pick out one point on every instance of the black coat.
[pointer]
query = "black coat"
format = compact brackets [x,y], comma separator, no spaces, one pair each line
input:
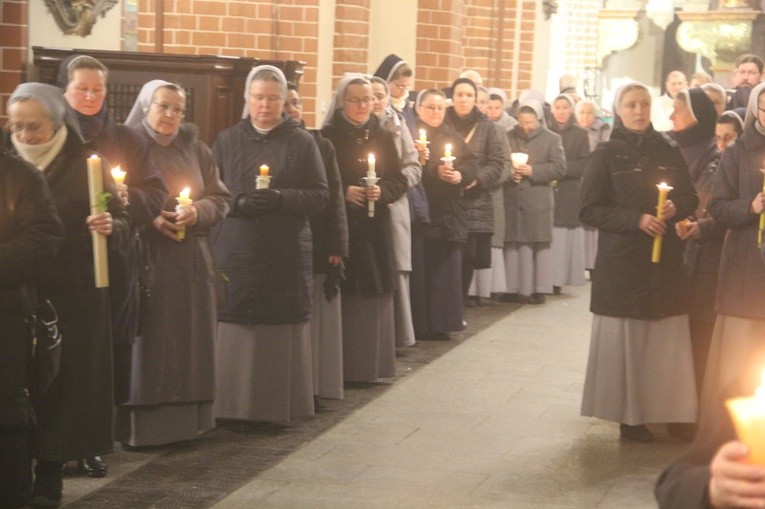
[268,258]
[618,188]
[371,267]
[330,226]
[75,415]
[120,145]
[576,146]
[448,214]
[30,232]
[742,273]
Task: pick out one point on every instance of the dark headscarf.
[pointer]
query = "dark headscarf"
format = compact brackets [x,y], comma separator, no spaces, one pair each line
[703,111]
[88,126]
[389,66]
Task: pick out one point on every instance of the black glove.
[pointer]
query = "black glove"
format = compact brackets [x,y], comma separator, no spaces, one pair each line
[255,203]
[334,279]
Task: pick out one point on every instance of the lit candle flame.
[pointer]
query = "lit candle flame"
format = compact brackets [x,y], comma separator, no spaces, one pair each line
[448,151]
[184,194]
[264,169]
[118,175]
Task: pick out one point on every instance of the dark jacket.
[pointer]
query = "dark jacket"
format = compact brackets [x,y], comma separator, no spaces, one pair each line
[529,204]
[448,215]
[576,147]
[742,273]
[77,420]
[491,166]
[371,267]
[30,232]
[268,257]
[330,226]
[120,145]
[618,188]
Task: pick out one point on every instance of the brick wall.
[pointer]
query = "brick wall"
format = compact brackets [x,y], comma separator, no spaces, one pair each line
[440,30]
[270,29]
[576,48]
[351,40]
[13,49]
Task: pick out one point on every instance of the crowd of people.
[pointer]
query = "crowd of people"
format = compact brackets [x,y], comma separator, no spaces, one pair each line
[250,279]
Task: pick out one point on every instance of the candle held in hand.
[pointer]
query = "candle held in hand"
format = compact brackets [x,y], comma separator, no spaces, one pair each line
[371,173]
[748,415]
[664,190]
[95,192]
[423,137]
[183,203]
[119,176]
[448,150]
[264,170]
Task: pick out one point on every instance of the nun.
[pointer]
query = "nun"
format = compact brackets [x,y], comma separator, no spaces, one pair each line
[275,174]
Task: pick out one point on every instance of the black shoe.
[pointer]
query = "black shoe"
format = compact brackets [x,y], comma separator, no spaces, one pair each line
[685,431]
[48,485]
[94,466]
[509,297]
[637,433]
[556,290]
[537,298]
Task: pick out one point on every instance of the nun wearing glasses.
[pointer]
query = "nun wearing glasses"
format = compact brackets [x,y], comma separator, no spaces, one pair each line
[264,245]
[172,374]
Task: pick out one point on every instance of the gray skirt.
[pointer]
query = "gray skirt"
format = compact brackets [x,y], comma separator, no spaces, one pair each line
[568,256]
[640,371]
[139,426]
[369,338]
[263,372]
[590,246]
[326,342]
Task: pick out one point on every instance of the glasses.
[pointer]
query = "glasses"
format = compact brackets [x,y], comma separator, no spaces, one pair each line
[31,128]
[400,86]
[435,109]
[172,110]
[360,102]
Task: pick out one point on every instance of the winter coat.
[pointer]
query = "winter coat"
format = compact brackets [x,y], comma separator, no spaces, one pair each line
[492,166]
[121,146]
[529,204]
[738,180]
[448,215]
[268,257]
[371,269]
[618,188]
[75,415]
[576,148]
[329,228]
[30,233]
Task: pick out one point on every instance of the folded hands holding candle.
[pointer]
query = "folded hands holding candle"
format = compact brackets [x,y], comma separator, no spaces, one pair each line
[448,174]
[733,482]
[358,195]
[654,226]
[169,223]
[100,223]
[522,170]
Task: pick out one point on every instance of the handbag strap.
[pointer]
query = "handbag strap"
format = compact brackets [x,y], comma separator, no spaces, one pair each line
[471,133]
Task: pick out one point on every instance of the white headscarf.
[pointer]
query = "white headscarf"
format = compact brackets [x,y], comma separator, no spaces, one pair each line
[339,95]
[143,101]
[499,92]
[49,97]
[275,71]
[620,91]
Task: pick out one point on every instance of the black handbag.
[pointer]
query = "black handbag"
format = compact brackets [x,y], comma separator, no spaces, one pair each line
[45,342]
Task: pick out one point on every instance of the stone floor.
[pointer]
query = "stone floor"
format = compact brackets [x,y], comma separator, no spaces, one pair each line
[489,419]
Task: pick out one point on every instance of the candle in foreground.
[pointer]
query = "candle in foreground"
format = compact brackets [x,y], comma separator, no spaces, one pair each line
[748,415]
[119,176]
[423,136]
[664,190]
[448,150]
[371,170]
[95,193]
[183,203]
[264,170]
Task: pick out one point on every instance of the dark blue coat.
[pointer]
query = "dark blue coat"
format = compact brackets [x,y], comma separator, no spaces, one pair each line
[268,258]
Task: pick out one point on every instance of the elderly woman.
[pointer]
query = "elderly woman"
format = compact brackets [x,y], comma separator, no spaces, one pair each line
[30,233]
[172,385]
[439,310]
[640,368]
[715,472]
[329,229]
[75,420]
[568,234]
[263,348]
[369,349]
[529,205]
[588,117]
[406,217]
[483,139]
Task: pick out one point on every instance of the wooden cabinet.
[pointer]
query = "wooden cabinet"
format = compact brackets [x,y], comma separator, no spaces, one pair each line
[214,84]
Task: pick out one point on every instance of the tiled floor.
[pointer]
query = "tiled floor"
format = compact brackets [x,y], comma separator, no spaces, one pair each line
[492,423]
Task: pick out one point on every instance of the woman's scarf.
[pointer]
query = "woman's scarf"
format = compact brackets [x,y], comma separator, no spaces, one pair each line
[43,154]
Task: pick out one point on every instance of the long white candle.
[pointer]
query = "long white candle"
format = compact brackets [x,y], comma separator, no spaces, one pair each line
[95,190]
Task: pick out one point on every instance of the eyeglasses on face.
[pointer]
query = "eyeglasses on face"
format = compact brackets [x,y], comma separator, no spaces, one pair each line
[172,110]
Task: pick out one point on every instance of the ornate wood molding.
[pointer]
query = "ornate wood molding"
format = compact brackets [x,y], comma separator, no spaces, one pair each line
[78,16]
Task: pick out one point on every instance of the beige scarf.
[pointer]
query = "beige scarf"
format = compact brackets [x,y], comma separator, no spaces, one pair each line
[43,154]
